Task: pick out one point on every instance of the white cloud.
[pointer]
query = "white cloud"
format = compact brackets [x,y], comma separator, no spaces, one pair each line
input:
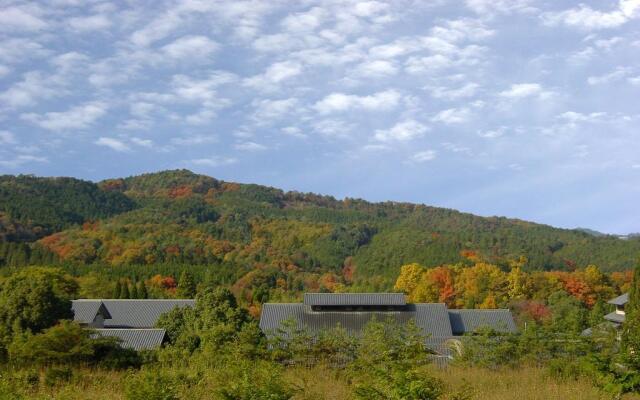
[113,144]
[194,140]
[613,76]
[22,159]
[267,110]
[188,48]
[465,91]
[585,17]
[250,146]
[452,116]
[17,49]
[7,137]
[78,117]
[33,88]
[424,156]
[520,90]
[305,21]
[339,102]
[402,131]
[157,29]
[274,74]
[214,161]
[574,117]
[524,90]
[199,90]
[96,22]
[20,19]
[293,131]
[454,148]
[492,133]
[148,143]
[634,80]
[491,7]
[376,69]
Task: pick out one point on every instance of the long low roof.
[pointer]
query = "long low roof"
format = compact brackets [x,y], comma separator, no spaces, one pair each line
[136,339]
[434,319]
[431,318]
[126,313]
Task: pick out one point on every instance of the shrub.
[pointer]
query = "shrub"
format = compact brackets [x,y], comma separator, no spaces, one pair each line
[54,376]
[246,380]
[151,385]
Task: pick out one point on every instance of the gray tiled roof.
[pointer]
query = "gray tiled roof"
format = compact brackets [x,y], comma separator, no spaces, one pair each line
[468,321]
[85,311]
[620,300]
[136,339]
[614,317]
[354,299]
[128,313]
[431,318]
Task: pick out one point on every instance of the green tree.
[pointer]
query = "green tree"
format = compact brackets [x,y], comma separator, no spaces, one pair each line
[124,293]
[134,290]
[117,290]
[62,343]
[34,299]
[142,290]
[186,286]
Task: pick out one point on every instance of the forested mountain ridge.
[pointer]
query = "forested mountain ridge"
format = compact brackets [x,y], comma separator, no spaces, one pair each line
[182,217]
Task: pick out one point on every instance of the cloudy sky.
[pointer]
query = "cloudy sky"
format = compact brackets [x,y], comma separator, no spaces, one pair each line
[521,108]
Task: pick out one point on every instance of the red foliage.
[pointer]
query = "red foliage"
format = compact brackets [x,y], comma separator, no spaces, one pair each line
[180,192]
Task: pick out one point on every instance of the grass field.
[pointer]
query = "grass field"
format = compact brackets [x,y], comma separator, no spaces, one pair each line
[461,383]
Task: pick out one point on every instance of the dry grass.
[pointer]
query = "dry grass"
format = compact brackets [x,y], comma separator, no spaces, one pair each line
[523,384]
[322,383]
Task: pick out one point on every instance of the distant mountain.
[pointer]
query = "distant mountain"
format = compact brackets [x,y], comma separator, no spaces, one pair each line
[182,217]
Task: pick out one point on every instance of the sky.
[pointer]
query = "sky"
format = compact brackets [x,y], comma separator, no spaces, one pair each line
[521,108]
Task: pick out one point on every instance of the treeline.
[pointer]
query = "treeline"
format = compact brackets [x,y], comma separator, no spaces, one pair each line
[485,285]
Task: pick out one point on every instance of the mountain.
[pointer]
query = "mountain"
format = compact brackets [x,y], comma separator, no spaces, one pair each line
[182,217]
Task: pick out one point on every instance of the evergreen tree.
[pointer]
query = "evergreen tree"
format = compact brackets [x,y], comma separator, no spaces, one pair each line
[125,294]
[186,286]
[597,313]
[117,291]
[142,291]
[134,290]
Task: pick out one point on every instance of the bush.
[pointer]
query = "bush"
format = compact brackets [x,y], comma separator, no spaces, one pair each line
[54,376]
[247,380]
[151,385]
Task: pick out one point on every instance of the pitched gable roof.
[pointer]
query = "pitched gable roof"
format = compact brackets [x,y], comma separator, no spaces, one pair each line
[130,313]
[85,311]
[136,339]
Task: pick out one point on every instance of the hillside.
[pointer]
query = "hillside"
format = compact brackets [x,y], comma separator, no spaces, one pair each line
[181,217]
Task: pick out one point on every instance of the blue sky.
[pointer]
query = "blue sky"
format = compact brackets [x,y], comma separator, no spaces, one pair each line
[521,108]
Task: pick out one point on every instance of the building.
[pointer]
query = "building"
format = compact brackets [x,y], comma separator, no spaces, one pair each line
[132,321]
[352,311]
[617,316]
